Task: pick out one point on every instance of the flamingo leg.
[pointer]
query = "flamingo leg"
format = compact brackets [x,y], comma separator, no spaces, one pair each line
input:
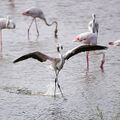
[1,42]
[36,28]
[60,89]
[56,82]
[30,27]
[103,59]
[87,58]
[55,87]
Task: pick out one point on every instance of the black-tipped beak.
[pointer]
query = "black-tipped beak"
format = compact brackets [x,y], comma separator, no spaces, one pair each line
[61,47]
[58,49]
[14,26]
[110,43]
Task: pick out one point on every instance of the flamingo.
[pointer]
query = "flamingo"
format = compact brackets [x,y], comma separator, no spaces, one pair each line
[38,13]
[58,63]
[90,39]
[115,43]
[93,25]
[5,23]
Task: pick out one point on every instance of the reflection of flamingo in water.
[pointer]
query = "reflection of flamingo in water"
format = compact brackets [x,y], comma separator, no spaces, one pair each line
[5,23]
[58,63]
[90,39]
[38,13]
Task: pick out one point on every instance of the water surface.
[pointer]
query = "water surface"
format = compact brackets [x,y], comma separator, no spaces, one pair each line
[91,95]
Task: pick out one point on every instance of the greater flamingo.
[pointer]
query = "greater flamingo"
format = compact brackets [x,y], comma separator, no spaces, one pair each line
[90,39]
[93,25]
[5,23]
[38,13]
[115,43]
[58,63]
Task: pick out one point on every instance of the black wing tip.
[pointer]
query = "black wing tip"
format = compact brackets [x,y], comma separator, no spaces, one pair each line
[105,47]
[15,61]
[102,47]
[99,47]
[20,59]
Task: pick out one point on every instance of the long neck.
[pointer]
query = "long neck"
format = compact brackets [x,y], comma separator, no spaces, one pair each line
[61,62]
[0,41]
[61,57]
[93,21]
[94,29]
[56,26]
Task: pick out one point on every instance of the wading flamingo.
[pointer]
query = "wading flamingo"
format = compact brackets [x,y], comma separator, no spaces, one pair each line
[93,25]
[89,39]
[38,13]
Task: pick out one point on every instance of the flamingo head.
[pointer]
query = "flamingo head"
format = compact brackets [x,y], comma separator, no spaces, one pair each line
[27,13]
[77,38]
[59,47]
[110,43]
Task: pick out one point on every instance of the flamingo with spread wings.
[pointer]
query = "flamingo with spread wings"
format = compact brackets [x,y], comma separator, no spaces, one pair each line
[58,63]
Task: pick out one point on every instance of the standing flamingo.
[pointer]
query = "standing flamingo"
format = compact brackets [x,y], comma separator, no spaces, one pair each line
[58,63]
[38,13]
[93,25]
[5,23]
[90,39]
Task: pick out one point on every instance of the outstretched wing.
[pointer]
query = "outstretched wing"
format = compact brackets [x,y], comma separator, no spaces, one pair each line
[36,55]
[83,48]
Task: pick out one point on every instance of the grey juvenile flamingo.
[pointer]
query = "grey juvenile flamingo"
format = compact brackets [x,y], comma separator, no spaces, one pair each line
[58,63]
[93,25]
[38,13]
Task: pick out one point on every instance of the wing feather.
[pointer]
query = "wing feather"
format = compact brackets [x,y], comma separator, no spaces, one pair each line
[35,55]
[83,48]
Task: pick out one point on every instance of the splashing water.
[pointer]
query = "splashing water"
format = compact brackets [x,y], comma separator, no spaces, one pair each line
[50,89]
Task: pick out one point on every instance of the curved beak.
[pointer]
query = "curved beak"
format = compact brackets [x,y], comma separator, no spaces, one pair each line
[75,40]
[24,13]
[58,49]
[110,43]
[14,26]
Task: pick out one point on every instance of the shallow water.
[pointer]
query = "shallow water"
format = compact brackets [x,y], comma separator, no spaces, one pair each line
[91,95]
